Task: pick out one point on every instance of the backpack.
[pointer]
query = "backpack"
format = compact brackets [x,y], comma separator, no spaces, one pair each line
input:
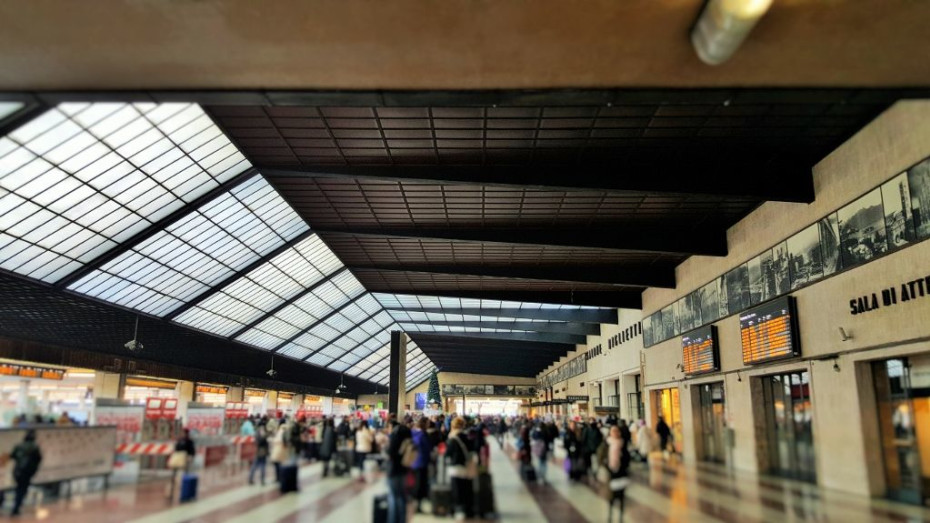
[408,453]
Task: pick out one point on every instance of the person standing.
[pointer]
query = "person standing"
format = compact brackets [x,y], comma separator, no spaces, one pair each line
[572,444]
[27,457]
[364,440]
[261,456]
[459,454]
[643,440]
[401,440]
[327,444]
[592,439]
[540,449]
[420,467]
[665,434]
[278,451]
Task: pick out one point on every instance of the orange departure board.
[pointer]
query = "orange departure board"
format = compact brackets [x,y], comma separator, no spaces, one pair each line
[699,351]
[25,371]
[769,332]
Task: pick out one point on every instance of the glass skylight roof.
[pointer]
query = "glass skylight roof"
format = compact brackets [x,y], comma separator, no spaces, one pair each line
[197,252]
[403,301]
[8,108]
[84,177]
[254,295]
[305,311]
[348,319]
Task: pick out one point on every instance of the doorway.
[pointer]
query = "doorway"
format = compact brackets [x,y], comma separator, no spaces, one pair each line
[711,403]
[904,424]
[668,406]
[788,429]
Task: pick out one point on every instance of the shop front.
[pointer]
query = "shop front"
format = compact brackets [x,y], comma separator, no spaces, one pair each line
[138,389]
[667,404]
[211,394]
[255,399]
[45,391]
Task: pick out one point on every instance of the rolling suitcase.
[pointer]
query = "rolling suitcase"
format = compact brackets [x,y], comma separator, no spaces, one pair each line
[528,473]
[288,478]
[440,494]
[188,488]
[484,500]
[380,514]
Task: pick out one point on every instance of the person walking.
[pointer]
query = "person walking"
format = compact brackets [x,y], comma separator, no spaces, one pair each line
[540,449]
[364,439]
[459,454]
[572,444]
[592,439]
[420,467]
[181,459]
[261,456]
[665,434]
[643,441]
[401,442]
[618,465]
[327,444]
[27,456]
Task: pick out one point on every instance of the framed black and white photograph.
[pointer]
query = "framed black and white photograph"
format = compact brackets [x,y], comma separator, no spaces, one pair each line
[648,338]
[757,277]
[670,321]
[918,181]
[862,229]
[830,244]
[737,283]
[780,268]
[805,258]
[707,297]
[696,317]
[722,301]
[685,314]
[896,199]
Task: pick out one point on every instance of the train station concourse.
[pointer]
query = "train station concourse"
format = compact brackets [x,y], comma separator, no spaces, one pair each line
[298,261]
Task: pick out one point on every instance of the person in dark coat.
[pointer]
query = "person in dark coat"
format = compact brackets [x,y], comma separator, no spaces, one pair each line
[27,457]
[458,454]
[401,438]
[592,439]
[573,446]
[421,465]
[262,450]
[328,444]
[625,433]
[664,432]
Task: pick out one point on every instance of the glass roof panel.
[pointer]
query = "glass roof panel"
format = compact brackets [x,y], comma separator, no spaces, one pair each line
[268,286]
[195,253]
[80,179]
[7,108]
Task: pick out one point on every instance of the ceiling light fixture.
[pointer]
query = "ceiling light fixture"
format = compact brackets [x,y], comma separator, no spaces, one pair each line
[723,25]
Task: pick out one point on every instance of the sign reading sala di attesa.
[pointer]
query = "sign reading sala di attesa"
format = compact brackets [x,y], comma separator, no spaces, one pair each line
[907,291]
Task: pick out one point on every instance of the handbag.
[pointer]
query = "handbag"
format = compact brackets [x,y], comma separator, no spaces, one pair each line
[567,465]
[408,453]
[618,484]
[177,460]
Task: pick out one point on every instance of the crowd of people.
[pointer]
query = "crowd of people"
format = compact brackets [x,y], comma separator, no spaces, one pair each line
[418,452]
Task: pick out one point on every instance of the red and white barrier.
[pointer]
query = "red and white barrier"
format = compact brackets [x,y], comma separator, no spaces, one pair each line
[146,449]
[239,440]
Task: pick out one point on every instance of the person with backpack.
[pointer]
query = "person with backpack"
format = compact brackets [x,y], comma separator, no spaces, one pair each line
[401,454]
[421,465]
[26,457]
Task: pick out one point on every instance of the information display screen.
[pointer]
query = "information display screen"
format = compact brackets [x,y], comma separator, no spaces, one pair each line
[699,351]
[769,331]
[27,371]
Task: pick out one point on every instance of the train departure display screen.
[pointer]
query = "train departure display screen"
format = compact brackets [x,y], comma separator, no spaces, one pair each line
[28,371]
[699,351]
[769,331]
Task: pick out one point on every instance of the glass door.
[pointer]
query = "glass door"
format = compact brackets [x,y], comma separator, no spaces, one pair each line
[902,420]
[788,425]
[713,423]
[670,409]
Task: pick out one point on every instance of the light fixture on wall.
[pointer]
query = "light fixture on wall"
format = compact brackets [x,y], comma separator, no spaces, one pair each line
[836,365]
[844,336]
[722,27]
[738,377]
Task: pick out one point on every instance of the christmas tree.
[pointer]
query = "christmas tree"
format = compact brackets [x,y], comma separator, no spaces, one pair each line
[432,394]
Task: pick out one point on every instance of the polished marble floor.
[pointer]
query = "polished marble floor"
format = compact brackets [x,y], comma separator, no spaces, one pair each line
[660,493]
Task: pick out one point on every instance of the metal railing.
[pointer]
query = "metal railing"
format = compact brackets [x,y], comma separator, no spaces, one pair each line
[607,401]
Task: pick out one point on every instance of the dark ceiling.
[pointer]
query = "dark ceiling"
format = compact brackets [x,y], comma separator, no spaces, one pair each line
[576,197]
[453,353]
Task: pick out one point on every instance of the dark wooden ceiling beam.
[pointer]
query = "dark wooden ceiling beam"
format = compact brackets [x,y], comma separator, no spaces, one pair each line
[708,241]
[551,337]
[759,177]
[613,275]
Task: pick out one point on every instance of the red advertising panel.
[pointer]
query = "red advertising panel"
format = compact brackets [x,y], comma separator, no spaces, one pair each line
[153,408]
